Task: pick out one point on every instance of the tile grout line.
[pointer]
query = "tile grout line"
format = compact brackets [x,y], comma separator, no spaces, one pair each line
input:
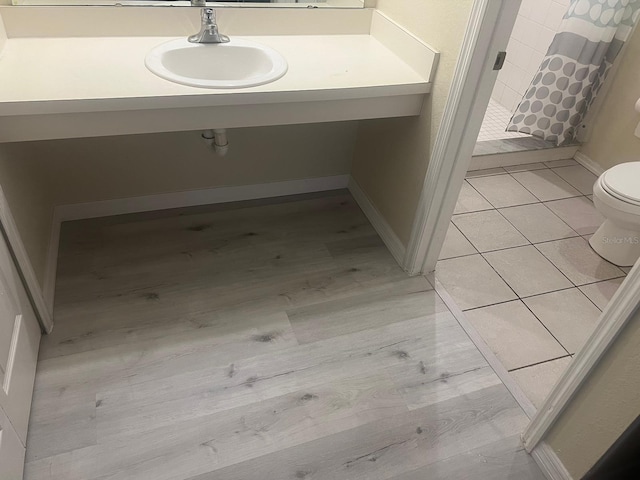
[465,237]
[552,212]
[491,358]
[587,297]
[540,200]
[455,309]
[545,327]
[540,294]
[519,297]
[574,283]
[548,260]
[568,355]
[480,193]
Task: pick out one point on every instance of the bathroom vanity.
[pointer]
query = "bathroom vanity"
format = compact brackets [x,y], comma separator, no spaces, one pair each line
[75,72]
[84,82]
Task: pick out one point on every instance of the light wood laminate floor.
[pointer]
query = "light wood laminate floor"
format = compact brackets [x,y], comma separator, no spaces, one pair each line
[259,341]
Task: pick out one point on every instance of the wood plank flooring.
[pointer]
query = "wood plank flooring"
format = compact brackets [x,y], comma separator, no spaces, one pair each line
[263,340]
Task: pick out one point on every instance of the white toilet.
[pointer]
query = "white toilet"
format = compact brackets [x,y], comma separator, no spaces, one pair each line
[616,195]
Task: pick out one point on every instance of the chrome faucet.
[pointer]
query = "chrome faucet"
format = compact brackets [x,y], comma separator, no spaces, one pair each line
[209,31]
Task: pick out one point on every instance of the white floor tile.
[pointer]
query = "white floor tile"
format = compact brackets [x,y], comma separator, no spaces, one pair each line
[495,123]
[579,213]
[537,381]
[600,293]
[578,177]
[575,258]
[472,282]
[546,185]
[485,172]
[561,163]
[527,271]
[455,245]
[470,200]
[514,334]
[502,191]
[538,223]
[568,314]
[525,168]
[543,275]
[488,230]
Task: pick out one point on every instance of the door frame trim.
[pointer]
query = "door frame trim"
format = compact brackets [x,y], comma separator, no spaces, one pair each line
[23,265]
[488,31]
[619,311]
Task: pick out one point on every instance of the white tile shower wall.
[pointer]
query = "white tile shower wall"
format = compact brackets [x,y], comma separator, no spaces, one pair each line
[537,23]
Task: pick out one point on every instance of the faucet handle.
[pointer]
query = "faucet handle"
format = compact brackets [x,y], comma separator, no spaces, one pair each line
[208,16]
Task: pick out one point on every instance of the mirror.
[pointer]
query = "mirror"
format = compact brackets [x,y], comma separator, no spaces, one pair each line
[214,4]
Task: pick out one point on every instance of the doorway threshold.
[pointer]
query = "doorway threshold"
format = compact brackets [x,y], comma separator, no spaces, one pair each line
[517,151]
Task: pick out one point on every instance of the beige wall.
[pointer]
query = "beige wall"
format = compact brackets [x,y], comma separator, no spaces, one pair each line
[85,170]
[604,407]
[36,176]
[90,169]
[30,202]
[25,187]
[612,139]
[392,155]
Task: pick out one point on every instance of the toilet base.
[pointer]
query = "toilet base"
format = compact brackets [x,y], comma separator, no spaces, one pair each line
[617,245]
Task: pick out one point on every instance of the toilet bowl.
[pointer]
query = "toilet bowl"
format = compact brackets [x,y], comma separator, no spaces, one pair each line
[616,195]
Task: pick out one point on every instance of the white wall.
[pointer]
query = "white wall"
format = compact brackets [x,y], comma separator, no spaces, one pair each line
[537,23]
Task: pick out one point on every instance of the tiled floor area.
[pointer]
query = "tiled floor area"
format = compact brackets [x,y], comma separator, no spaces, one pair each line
[516,260]
[494,124]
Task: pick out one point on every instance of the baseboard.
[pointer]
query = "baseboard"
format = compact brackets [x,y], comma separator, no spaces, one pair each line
[388,236]
[551,466]
[481,162]
[49,286]
[208,196]
[588,163]
[9,230]
[192,198]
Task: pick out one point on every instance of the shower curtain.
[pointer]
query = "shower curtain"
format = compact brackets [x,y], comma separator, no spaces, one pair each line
[577,63]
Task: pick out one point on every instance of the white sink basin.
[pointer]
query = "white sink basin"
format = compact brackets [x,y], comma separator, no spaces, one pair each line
[236,64]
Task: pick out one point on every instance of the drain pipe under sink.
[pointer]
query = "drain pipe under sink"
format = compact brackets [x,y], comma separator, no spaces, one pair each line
[217,139]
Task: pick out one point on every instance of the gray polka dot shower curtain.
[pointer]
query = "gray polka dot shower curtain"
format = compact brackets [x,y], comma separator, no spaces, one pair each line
[574,69]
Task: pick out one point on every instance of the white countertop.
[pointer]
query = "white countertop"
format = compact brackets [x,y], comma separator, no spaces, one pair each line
[77,75]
